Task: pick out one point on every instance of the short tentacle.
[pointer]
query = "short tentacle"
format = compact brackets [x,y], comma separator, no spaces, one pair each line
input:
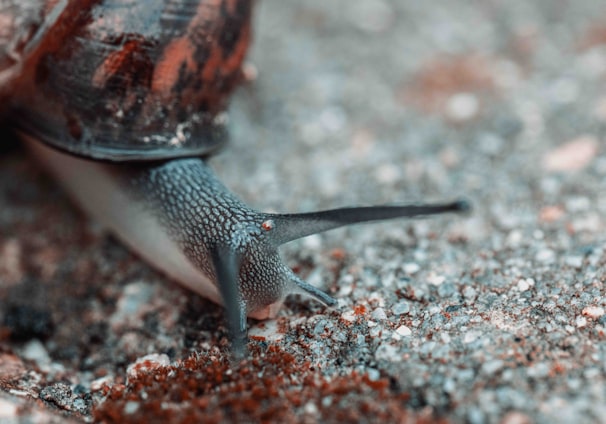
[313,291]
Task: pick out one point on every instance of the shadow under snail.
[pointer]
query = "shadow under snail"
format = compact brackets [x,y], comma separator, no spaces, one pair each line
[121,101]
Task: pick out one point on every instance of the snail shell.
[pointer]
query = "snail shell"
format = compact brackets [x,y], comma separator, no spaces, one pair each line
[137,89]
[123,80]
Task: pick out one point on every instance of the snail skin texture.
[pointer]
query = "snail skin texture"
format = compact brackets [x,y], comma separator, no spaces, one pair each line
[121,100]
[180,218]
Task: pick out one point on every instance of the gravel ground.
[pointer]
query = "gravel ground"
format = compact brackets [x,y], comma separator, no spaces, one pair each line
[494,317]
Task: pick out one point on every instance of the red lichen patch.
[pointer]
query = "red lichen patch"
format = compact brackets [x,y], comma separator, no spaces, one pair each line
[11,369]
[359,310]
[594,36]
[338,254]
[434,89]
[522,46]
[272,386]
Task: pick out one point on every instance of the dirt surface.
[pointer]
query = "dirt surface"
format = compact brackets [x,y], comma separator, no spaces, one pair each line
[495,317]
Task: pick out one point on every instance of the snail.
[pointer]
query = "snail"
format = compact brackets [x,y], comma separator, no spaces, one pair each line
[122,101]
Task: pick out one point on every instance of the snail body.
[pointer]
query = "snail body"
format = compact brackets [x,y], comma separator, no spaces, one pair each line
[121,101]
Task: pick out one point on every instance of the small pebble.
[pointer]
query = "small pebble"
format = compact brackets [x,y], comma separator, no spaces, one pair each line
[573,155]
[348,316]
[268,330]
[462,107]
[131,407]
[313,242]
[388,174]
[98,384]
[379,314]
[435,280]
[373,374]
[469,292]
[401,308]
[35,351]
[525,284]
[147,363]
[574,261]
[375,331]
[545,256]
[403,331]
[492,366]
[411,268]
[593,312]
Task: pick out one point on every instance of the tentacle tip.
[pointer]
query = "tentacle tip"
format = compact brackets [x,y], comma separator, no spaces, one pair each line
[330,301]
[305,288]
[239,350]
[463,206]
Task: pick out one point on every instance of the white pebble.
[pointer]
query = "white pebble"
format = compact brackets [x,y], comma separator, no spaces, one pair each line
[514,238]
[545,256]
[593,312]
[267,330]
[462,106]
[348,316]
[435,280]
[310,408]
[147,363]
[574,261]
[98,384]
[131,407]
[403,331]
[525,283]
[388,174]
[313,242]
[411,268]
[35,351]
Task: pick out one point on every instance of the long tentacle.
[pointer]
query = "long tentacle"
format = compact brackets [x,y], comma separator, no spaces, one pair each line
[290,227]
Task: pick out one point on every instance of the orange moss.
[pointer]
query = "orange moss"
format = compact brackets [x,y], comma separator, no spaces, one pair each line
[272,386]
[444,76]
[359,310]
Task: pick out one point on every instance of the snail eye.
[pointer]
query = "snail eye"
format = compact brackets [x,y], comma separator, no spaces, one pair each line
[267,225]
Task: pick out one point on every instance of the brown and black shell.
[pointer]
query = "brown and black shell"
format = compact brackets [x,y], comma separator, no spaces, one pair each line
[122,79]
